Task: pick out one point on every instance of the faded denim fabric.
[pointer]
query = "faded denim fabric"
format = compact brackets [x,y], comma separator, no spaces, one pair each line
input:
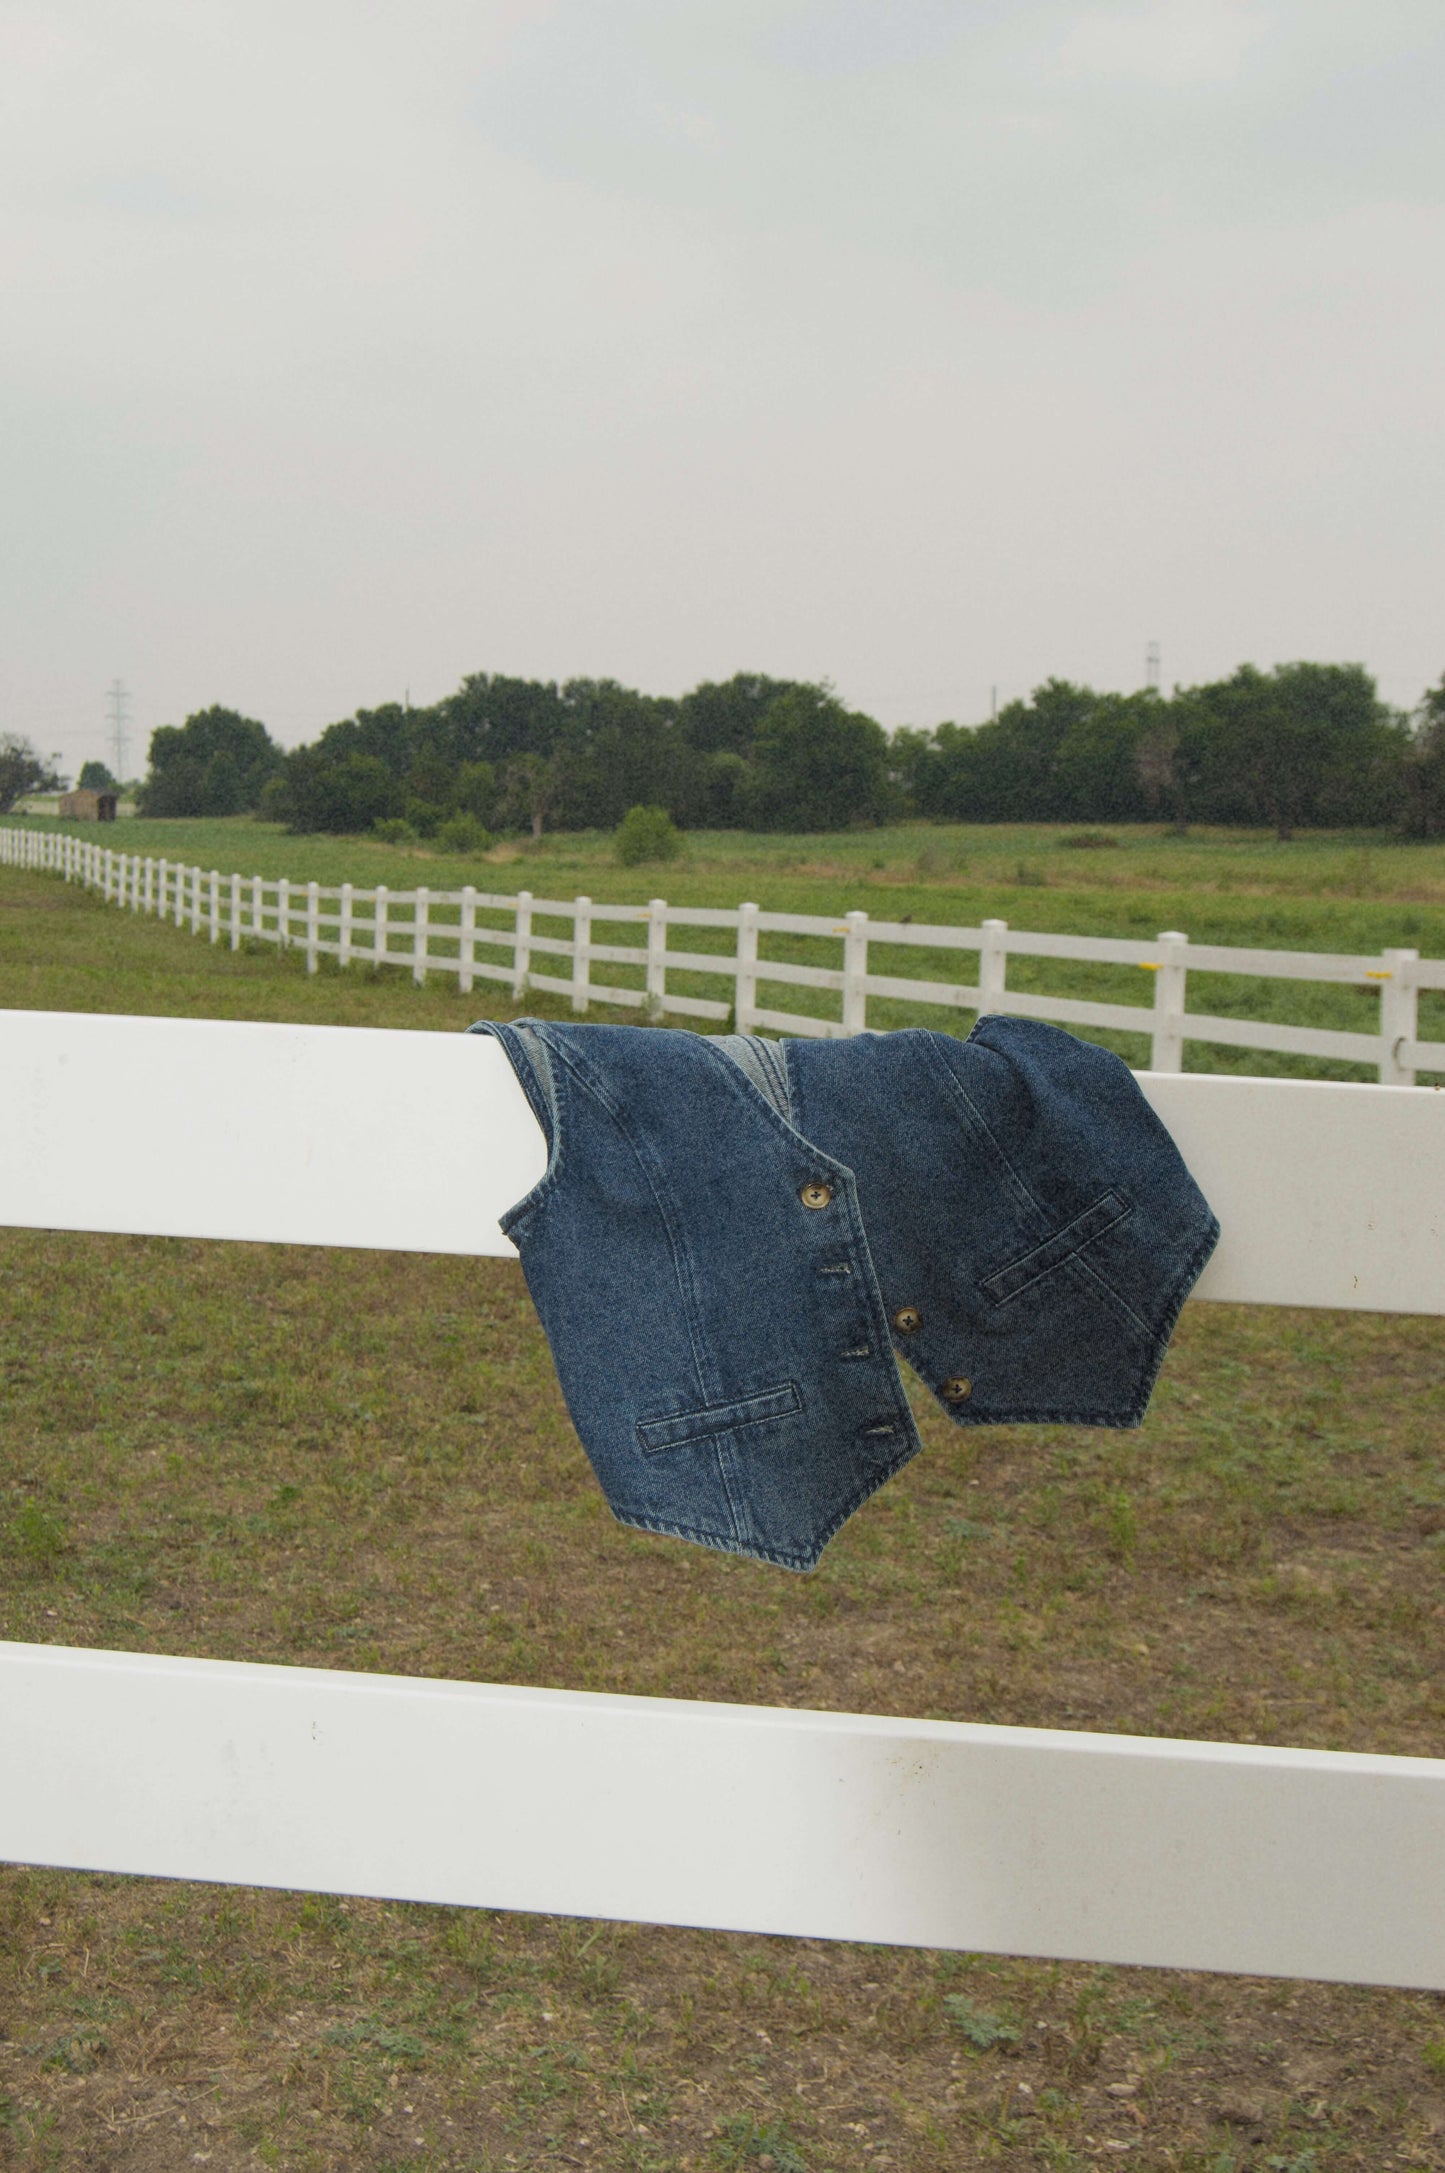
[735,1240]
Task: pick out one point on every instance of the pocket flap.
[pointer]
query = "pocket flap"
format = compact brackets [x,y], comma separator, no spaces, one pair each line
[1055,1250]
[656,1434]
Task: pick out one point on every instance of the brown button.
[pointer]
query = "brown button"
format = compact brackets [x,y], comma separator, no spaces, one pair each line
[908,1320]
[816,1195]
[957,1390]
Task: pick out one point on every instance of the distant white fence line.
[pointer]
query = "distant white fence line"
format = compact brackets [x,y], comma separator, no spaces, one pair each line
[439,931]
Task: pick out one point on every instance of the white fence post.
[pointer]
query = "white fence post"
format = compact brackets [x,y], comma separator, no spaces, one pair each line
[581,952]
[343,932]
[215,905]
[258,906]
[162,888]
[313,925]
[855,967]
[745,992]
[1166,1051]
[283,914]
[656,958]
[992,965]
[1399,1017]
[378,933]
[148,903]
[522,946]
[235,911]
[420,927]
[467,939]
[109,860]
[195,901]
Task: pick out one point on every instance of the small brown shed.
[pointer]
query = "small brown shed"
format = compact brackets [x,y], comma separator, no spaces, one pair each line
[88,805]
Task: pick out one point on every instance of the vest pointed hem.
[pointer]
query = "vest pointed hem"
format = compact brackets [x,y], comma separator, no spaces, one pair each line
[803,1560]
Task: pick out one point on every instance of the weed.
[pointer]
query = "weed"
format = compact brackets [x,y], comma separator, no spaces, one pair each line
[40,1538]
[399,2045]
[980,2025]
[745,2141]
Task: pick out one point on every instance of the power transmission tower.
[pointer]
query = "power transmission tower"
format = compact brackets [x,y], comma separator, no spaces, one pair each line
[118,699]
[1151,667]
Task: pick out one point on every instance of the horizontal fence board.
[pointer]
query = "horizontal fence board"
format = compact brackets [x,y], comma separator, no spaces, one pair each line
[1115,1849]
[1328,1194]
[1292,1040]
[694,1007]
[1075,1010]
[961,995]
[305,1135]
[938,939]
[1283,965]
[791,974]
[794,1022]
[1103,950]
[722,962]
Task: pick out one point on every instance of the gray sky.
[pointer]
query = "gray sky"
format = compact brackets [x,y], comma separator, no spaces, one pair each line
[349,346]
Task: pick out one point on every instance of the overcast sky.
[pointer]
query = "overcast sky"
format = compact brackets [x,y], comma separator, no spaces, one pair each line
[928,346]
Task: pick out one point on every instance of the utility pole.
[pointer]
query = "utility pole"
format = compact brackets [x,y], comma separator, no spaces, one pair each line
[1151,667]
[118,699]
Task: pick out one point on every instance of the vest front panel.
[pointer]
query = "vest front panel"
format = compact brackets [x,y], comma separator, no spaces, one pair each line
[704,1279]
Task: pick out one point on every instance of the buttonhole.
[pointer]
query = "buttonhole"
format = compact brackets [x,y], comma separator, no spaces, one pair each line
[842,1268]
[882,1429]
[864,1350]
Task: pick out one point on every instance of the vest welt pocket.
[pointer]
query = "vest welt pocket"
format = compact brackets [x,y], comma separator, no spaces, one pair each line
[657,1434]
[1007,1282]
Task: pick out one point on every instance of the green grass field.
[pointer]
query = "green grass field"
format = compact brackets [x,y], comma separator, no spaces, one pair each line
[363,1461]
[1351,893]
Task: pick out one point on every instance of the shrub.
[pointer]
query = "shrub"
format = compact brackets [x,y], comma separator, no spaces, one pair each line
[424,817]
[464,833]
[646,833]
[393,830]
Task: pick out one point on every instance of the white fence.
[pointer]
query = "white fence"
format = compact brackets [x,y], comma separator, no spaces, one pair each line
[436,931]
[1103,1847]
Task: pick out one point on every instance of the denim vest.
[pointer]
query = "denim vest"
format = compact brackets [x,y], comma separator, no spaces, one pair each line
[736,1239]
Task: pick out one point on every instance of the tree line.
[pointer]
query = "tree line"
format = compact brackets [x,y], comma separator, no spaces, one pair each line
[1304,745]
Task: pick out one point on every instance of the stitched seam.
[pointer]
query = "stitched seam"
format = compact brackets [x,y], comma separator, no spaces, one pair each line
[681,1260]
[1023,1191]
[1089,1231]
[523,1210]
[1081,1266]
[726,1418]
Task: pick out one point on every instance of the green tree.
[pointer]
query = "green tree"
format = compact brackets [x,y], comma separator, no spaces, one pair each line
[95,777]
[1423,812]
[22,770]
[317,791]
[819,766]
[1304,743]
[216,763]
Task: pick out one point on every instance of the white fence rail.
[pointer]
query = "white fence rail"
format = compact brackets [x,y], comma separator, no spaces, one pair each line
[445,931]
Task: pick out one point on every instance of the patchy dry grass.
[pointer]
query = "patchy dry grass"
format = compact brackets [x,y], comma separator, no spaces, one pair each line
[362,1461]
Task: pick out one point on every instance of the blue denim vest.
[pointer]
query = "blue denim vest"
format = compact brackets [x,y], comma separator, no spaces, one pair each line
[735,1239]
